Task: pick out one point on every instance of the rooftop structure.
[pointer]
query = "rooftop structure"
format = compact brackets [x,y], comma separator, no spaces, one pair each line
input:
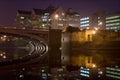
[51,17]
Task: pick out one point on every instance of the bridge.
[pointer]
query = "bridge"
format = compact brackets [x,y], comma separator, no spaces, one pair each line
[42,42]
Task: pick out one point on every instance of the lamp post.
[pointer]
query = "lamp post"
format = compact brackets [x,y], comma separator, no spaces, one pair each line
[56,16]
[100,24]
[56,19]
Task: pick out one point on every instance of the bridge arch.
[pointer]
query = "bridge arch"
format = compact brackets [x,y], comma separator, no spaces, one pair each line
[39,44]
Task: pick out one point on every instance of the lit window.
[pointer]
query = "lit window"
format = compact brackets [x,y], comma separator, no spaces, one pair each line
[60,24]
[82,22]
[77,15]
[110,21]
[44,19]
[60,19]
[63,14]
[22,17]
[46,14]
[112,17]
[112,24]
[85,18]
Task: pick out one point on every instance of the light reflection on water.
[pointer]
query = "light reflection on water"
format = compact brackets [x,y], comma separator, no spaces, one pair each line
[12,48]
[13,55]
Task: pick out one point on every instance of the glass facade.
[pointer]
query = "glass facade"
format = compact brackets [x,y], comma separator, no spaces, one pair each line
[84,22]
[113,22]
[113,72]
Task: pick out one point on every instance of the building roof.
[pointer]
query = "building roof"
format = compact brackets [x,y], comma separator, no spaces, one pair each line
[70,11]
[49,9]
[38,11]
[71,29]
[24,12]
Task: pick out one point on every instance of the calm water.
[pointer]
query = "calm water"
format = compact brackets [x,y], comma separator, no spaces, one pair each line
[18,49]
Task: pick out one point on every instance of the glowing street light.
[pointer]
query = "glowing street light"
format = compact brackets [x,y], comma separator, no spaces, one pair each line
[100,23]
[1,54]
[56,16]
[96,28]
[93,65]
[4,36]
[100,72]
[4,57]
[93,32]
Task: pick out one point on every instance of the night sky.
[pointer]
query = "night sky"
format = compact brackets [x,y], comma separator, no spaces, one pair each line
[8,8]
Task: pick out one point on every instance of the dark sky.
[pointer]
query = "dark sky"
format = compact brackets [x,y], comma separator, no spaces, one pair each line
[8,8]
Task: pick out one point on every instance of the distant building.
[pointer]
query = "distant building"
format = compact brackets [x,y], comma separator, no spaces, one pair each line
[91,73]
[51,17]
[23,18]
[72,18]
[113,21]
[95,20]
[112,73]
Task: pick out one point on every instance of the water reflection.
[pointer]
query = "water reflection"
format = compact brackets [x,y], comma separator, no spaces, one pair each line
[12,48]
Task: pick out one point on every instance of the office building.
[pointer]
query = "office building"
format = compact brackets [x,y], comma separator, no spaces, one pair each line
[51,17]
[23,18]
[72,18]
[113,73]
[93,21]
[113,21]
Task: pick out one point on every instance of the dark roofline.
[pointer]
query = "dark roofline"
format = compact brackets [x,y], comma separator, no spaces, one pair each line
[24,12]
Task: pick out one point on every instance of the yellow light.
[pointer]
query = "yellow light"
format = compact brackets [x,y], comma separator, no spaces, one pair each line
[4,36]
[96,28]
[56,16]
[100,72]
[1,54]
[100,23]
[93,32]
[93,65]
[4,57]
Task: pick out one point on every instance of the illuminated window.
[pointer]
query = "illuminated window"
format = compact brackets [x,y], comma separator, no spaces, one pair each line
[63,14]
[85,75]
[22,17]
[83,22]
[46,14]
[60,19]
[112,17]
[84,25]
[112,20]
[77,15]
[85,18]
[44,19]
[60,24]
[112,24]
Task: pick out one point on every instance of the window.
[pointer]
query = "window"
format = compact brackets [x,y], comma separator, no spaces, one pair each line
[22,17]
[85,18]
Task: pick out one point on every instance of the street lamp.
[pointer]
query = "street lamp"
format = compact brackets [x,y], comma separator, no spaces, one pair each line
[93,65]
[56,16]
[93,32]
[100,23]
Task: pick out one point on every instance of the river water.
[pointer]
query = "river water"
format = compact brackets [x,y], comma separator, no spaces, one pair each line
[17,48]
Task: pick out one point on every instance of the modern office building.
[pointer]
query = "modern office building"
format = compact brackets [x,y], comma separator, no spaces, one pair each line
[41,18]
[113,73]
[113,21]
[91,73]
[23,18]
[93,21]
[72,18]
[51,17]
